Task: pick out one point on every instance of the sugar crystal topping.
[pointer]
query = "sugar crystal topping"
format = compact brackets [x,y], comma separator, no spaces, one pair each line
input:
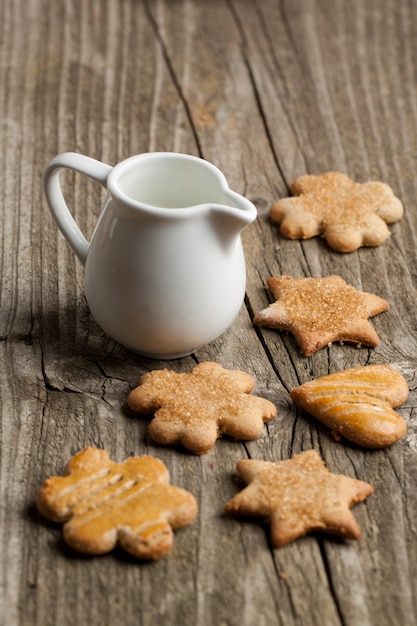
[196,397]
[322,304]
[340,200]
[303,479]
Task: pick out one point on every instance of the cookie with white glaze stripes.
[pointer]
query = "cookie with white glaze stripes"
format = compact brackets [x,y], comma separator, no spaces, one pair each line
[358,404]
[102,504]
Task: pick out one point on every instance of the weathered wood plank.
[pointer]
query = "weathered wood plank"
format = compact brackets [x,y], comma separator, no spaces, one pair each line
[267,91]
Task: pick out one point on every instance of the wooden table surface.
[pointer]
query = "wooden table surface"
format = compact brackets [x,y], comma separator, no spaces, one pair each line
[266,90]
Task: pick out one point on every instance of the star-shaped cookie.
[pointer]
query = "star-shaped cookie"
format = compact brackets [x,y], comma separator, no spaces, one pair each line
[196,408]
[319,311]
[347,214]
[298,496]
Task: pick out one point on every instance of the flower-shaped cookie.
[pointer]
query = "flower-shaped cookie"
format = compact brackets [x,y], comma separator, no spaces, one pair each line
[320,310]
[298,496]
[103,503]
[195,409]
[347,214]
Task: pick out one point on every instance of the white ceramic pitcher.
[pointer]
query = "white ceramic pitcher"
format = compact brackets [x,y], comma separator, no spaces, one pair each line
[164,270]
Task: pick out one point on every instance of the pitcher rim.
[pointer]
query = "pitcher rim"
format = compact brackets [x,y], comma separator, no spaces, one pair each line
[117,193]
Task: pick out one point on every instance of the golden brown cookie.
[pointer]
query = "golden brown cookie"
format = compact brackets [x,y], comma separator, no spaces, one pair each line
[298,496]
[196,408]
[318,311]
[357,404]
[103,503]
[347,214]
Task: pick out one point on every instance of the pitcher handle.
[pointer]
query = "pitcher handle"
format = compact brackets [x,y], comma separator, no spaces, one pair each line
[96,170]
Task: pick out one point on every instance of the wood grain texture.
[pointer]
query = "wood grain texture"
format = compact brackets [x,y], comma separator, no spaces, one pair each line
[267,91]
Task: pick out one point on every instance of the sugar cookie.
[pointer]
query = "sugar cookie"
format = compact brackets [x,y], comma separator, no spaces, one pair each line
[347,214]
[319,311]
[298,496]
[196,408]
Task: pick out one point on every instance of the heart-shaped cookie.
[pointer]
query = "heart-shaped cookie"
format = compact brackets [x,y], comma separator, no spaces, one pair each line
[357,404]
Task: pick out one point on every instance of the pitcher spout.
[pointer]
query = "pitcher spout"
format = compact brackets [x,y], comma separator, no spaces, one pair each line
[232,216]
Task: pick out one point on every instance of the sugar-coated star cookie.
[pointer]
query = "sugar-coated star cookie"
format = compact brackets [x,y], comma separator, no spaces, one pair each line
[196,408]
[318,311]
[347,214]
[298,496]
[102,503]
